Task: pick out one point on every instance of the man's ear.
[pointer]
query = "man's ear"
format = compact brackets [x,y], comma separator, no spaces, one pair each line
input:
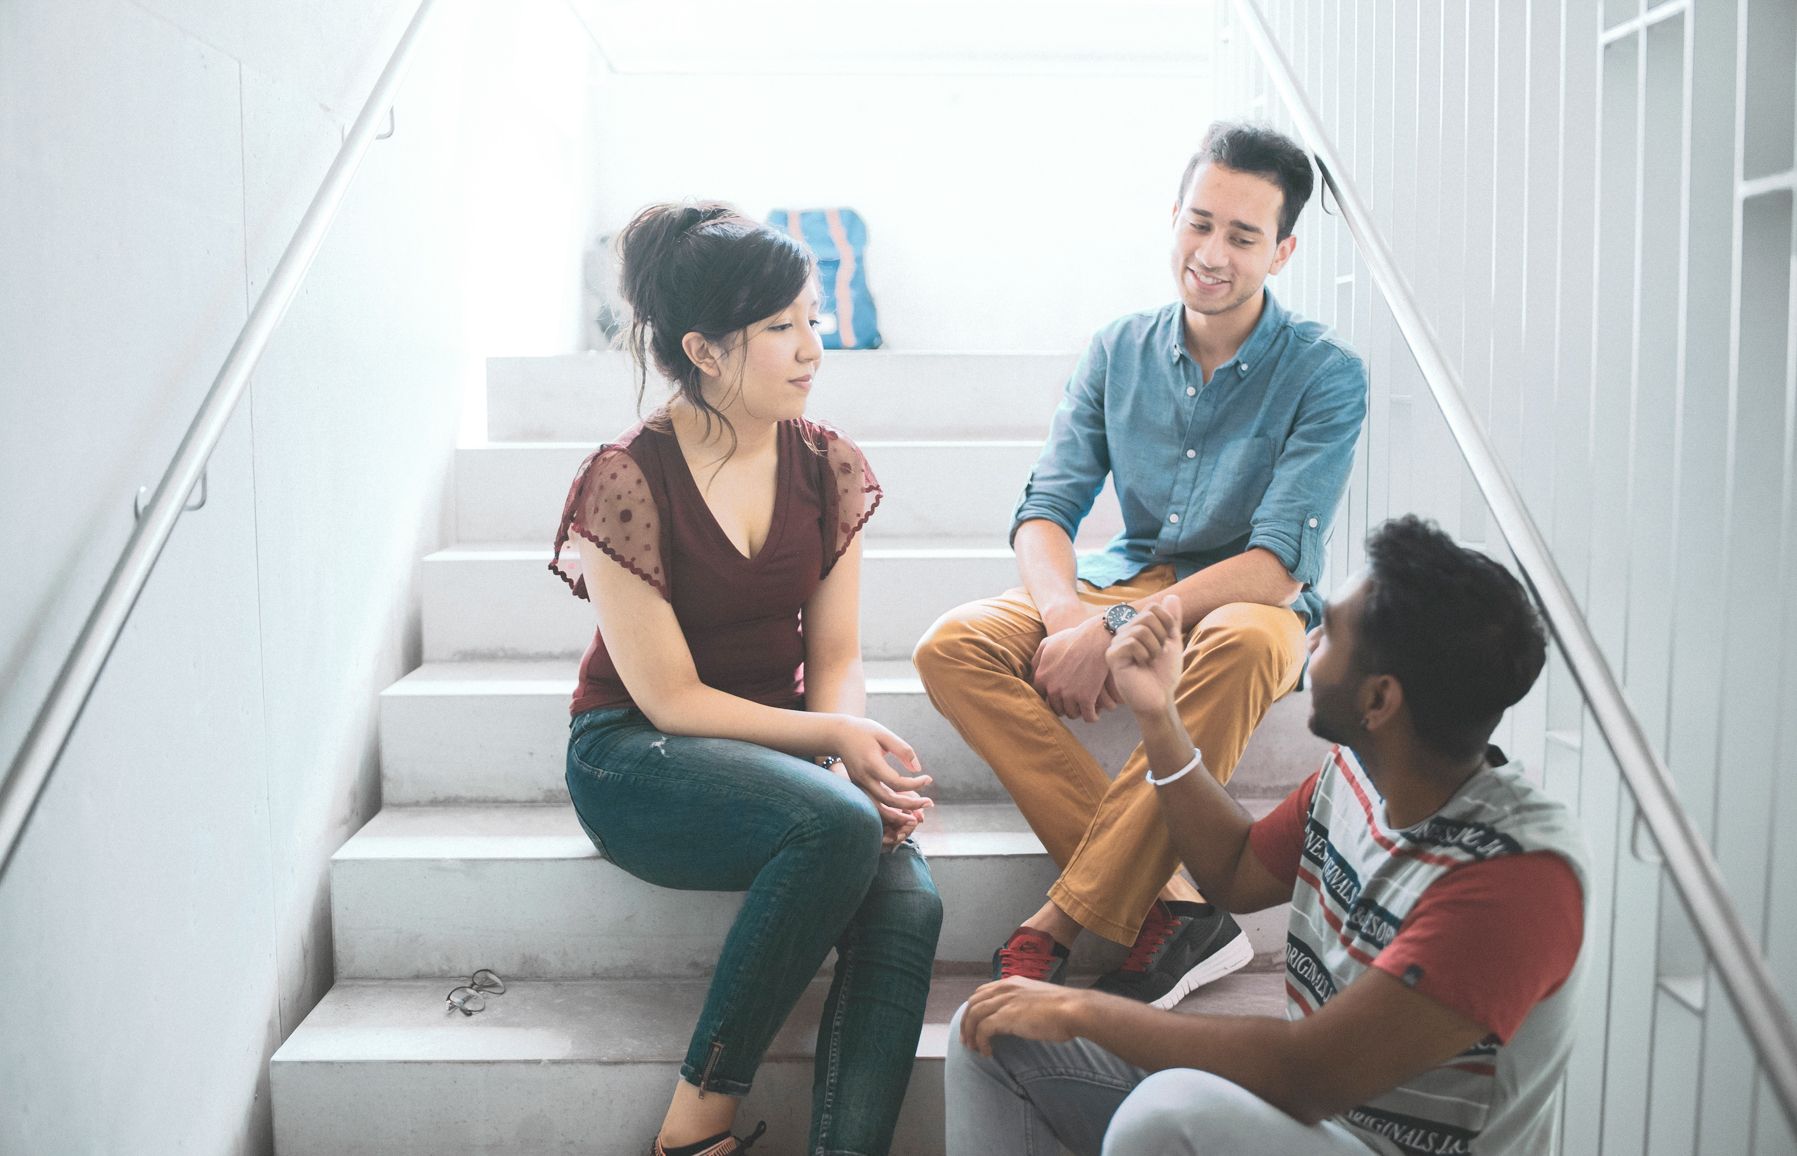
[703,354]
[1382,697]
[1282,253]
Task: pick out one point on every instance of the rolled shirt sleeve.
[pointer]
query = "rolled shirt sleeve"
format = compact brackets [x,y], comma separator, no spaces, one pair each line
[1311,471]
[1075,460]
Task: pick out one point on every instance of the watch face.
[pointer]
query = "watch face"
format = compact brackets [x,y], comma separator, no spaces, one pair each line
[1117,617]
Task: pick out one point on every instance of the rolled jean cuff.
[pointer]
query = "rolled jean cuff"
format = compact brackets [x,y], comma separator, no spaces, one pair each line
[718,1084]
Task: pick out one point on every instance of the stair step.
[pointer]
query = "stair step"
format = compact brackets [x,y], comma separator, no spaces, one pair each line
[589,397]
[933,489]
[559,1068]
[497,732]
[501,601]
[423,891]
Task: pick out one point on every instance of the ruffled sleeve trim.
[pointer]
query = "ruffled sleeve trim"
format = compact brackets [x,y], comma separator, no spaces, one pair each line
[851,492]
[610,506]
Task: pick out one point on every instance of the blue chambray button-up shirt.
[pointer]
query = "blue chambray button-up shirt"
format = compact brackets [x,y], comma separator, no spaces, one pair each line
[1257,456]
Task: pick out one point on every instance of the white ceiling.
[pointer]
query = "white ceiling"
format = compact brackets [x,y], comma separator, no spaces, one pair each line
[844,37]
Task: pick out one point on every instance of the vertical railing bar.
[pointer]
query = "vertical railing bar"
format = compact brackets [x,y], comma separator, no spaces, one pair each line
[1626,838]
[1593,425]
[1687,66]
[1559,338]
[1737,225]
[1780,722]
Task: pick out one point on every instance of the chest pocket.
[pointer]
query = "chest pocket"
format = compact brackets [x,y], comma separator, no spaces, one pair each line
[1242,470]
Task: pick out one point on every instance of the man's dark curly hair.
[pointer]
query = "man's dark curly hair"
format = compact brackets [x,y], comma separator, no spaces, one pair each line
[1455,628]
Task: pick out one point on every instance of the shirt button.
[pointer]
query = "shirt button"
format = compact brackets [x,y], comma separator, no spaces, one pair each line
[1191,391]
[1313,523]
[1191,453]
[1174,518]
[1243,366]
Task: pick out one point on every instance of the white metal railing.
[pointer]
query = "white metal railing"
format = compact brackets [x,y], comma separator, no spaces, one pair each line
[68,695]
[1733,951]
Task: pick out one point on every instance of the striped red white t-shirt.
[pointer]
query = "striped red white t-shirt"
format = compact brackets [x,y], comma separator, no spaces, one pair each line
[1480,907]
[1489,940]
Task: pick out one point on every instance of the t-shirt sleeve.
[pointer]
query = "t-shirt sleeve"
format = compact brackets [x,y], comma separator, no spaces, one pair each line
[1493,939]
[610,506]
[851,493]
[1278,839]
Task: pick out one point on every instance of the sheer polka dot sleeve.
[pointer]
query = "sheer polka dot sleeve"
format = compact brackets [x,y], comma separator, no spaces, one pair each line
[851,495]
[610,506]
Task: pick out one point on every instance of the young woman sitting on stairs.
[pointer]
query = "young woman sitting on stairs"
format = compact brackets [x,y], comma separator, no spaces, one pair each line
[716,745]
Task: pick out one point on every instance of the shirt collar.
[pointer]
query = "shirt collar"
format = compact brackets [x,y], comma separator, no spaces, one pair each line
[1272,318]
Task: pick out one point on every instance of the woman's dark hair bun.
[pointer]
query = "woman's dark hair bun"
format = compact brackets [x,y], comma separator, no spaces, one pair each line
[694,215]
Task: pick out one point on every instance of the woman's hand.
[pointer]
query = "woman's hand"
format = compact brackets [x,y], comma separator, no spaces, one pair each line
[895,825]
[895,830]
[867,750]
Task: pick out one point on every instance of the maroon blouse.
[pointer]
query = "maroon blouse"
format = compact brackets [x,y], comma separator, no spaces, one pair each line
[636,500]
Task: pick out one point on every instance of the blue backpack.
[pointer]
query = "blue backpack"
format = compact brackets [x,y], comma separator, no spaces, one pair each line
[839,240]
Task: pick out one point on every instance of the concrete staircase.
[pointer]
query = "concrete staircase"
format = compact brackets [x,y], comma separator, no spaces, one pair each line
[476,859]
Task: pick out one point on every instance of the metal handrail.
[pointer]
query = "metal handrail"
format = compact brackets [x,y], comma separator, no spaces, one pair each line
[55,721]
[1736,957]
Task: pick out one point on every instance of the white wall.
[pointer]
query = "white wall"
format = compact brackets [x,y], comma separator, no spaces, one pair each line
[1014,212]
[164,922]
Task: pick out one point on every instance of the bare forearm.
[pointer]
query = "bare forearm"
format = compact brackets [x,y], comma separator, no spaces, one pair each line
[1253,576]
[703,710]
[1209,829]
[1258,1053]
[1048,567]
[836,686]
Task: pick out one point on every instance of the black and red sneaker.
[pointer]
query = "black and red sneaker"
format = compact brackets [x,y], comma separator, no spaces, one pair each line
[1181,947]
[1032,954]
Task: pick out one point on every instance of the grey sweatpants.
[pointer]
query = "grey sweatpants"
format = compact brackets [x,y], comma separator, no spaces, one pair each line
[1029,1099]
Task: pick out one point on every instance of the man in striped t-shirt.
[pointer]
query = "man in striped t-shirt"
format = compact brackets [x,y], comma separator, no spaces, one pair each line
[1437,910]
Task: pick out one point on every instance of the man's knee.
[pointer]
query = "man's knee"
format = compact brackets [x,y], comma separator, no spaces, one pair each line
[1249,633]
[957,641]
[1010,1055]
[1181,1112]
[961,1062]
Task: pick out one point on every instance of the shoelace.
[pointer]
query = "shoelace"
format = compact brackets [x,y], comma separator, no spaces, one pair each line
[1156,929]
[1026,956]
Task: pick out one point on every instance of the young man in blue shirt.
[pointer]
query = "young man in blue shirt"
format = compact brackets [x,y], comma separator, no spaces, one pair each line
[1227,425]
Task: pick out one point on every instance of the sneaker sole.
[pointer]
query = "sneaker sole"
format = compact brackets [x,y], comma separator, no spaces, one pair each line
[1233,956]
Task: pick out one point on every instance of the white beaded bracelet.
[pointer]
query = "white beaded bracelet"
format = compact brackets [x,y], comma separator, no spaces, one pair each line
[1197,761]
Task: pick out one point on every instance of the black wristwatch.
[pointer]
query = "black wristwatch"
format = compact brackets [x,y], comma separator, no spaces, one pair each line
[1118,616]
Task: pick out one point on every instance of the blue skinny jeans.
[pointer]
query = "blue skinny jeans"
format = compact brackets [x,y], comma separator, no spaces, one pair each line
[705,814]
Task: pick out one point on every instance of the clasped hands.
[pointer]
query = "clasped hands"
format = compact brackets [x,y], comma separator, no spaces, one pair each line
[1073,670]
[867,751]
